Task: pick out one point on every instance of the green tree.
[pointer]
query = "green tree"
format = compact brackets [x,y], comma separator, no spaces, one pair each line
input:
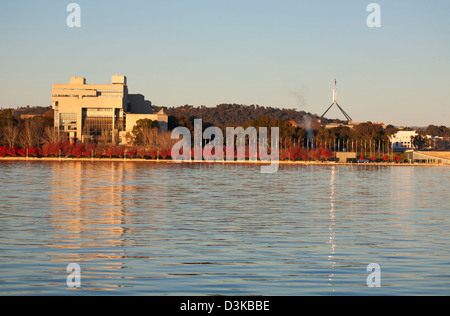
[420,141]
[326,135]
[286,129]
[391,130]
[177,120]
[441,131]
[142,129]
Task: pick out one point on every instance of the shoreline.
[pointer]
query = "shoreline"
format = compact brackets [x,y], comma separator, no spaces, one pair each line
[170,161]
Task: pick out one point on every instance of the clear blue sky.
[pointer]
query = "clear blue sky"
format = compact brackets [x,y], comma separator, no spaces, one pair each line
[281,53]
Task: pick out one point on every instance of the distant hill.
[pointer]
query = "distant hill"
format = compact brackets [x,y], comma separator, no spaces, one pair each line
[235,114]
[219,115]
[32,110]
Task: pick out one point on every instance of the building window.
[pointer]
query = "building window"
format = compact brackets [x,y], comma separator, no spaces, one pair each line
[67,119]
[98,112]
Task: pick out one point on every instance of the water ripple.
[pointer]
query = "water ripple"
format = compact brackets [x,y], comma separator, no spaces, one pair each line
[159,229]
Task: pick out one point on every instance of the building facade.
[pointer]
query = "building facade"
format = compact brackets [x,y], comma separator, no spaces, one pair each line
[100,112]
[431,157]
[402,141]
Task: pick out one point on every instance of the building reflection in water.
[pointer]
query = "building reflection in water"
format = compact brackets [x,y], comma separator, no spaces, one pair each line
[92,207]
[402,194]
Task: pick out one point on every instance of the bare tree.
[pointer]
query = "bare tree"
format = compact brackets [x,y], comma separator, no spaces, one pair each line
[104,139]
[50,135]
[11,134]
[154,138]
[31,133]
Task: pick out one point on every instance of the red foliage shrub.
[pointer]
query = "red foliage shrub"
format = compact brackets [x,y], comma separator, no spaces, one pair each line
[109,152]
[98,152]
[51,149]
[119,151]
[295,153]
[326,153]
[132,153]
[34,151]
[165,154]
[141,153]
[66,148]
[304,155]
[314,154]
[22,152]
[78,150]
[90,150]
[11,151]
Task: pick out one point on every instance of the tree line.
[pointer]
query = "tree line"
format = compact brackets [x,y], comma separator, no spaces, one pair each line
[28,132]
[299,132]
[234,114]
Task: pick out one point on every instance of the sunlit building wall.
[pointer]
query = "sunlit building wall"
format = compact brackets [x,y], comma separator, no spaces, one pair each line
[402,140]
[98,112]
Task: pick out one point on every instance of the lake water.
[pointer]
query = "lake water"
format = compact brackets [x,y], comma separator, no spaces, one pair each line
[140,228]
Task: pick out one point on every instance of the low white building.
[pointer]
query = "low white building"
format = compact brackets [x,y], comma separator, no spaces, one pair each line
[401,140]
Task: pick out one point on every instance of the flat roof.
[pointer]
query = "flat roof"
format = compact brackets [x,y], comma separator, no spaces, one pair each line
[437,154]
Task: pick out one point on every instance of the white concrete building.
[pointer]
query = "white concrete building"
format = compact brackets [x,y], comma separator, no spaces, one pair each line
[105,112]
[401,140]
